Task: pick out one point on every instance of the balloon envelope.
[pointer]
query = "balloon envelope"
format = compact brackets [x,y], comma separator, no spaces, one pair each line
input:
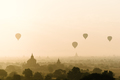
[74,44]
[18,36]
[85,35]
[109,38]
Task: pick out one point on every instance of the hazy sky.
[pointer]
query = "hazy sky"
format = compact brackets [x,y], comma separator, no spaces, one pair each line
[48,27]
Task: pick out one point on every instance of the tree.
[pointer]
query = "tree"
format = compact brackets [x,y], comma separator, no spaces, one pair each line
[75,74]
[48,77]
[8,78]
[10,68]
[38,76]
[50,69]
[16,77]
[96,76]
[109,73]
[59,72]
[28,73]
[84,74]
[12,74]
[97,70]
[3,73]
[13,68]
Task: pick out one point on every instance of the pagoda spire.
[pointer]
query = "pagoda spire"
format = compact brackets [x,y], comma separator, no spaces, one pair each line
[58,62]
[32,56]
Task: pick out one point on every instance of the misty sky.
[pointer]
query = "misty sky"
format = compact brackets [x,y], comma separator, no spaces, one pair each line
[48,27]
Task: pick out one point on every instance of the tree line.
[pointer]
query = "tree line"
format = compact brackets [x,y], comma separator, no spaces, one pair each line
[74,74]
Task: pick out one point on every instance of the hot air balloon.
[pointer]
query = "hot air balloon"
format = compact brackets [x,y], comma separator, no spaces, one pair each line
[85,35]
[109,38]
[74,44]
[18,36]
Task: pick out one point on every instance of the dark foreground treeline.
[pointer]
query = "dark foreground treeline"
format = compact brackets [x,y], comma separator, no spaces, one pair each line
[74,74]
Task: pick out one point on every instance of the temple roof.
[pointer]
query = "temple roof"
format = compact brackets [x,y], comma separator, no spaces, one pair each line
[32,59]
[32,56]
[58,62]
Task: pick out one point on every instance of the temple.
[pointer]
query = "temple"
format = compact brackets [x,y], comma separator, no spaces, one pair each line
[58,62]
[59,65]
[31,63]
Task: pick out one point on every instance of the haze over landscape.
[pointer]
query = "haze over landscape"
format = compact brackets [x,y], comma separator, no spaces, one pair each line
[59,40]
[49,27]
